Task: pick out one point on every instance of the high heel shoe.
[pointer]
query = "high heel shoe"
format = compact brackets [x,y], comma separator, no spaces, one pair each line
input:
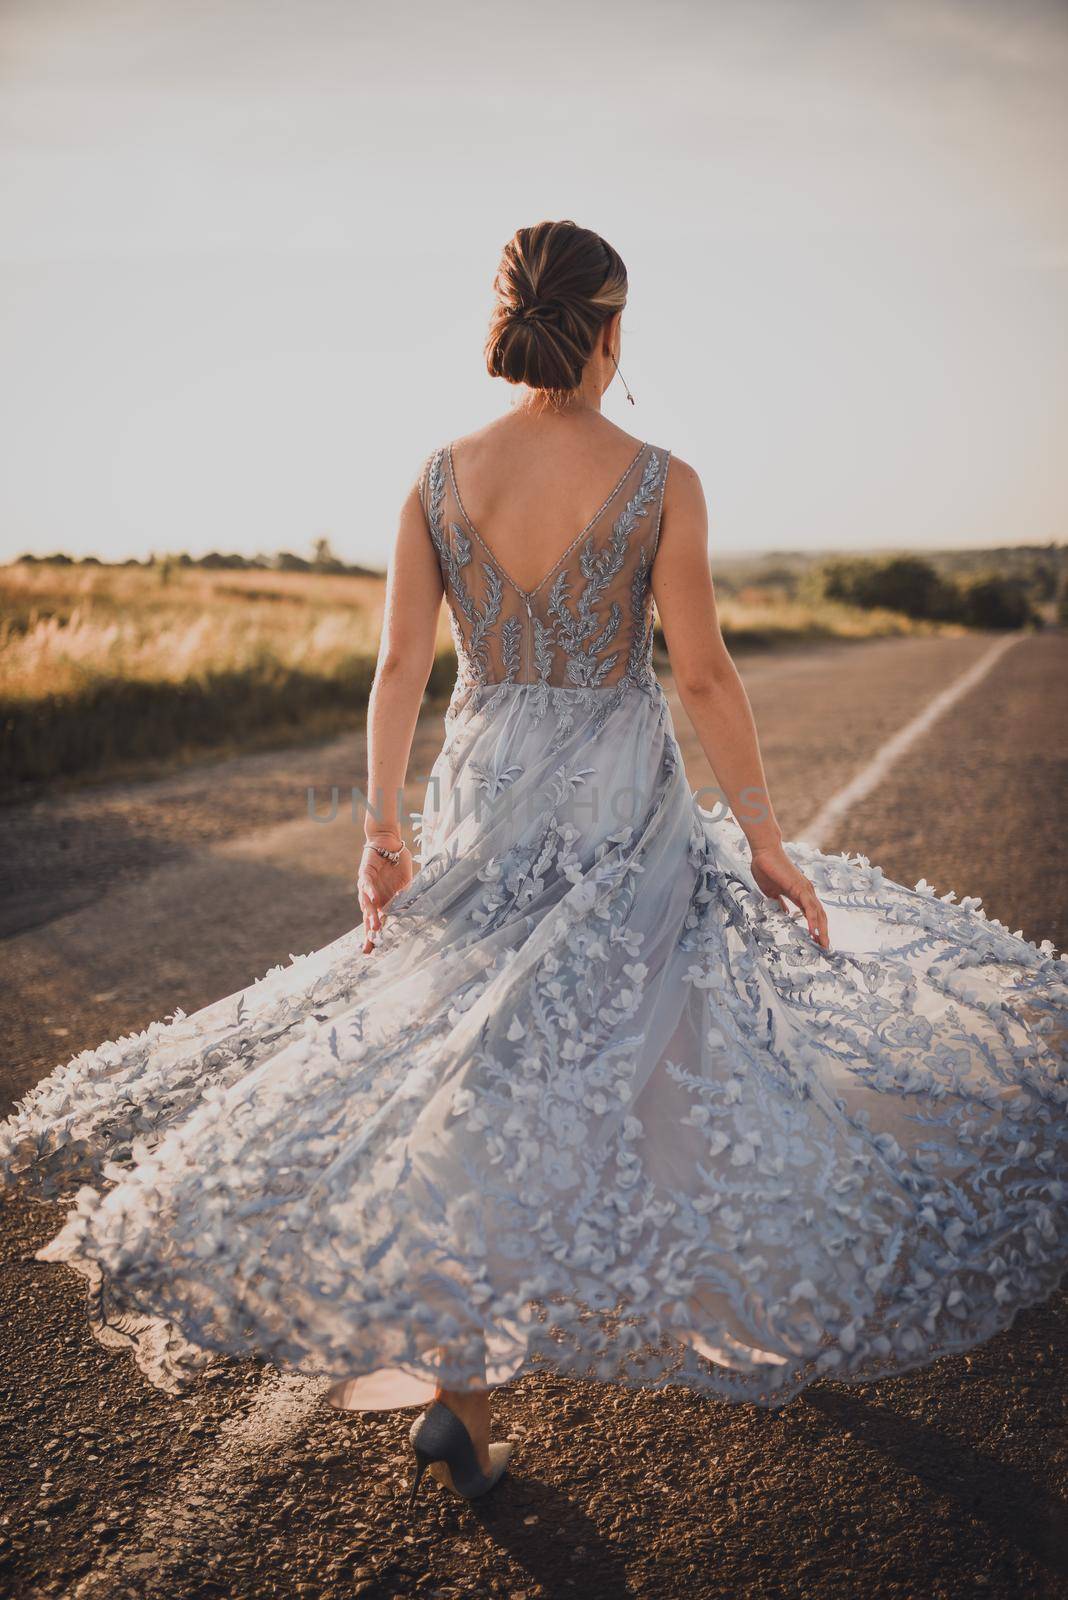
[442,1443]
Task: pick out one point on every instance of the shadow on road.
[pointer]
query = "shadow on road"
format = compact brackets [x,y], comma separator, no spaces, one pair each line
[1010,1502]
[563,1542]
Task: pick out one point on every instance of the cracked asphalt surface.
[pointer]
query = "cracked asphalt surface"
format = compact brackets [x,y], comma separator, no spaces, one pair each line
[122,901]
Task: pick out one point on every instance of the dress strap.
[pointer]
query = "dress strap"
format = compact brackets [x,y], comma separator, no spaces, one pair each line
[665,458]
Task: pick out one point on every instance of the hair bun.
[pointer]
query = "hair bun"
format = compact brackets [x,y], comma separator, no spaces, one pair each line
[556,285]
[540,311]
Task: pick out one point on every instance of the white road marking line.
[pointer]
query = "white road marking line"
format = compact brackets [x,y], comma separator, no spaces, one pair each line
[823,825]
[196,1501]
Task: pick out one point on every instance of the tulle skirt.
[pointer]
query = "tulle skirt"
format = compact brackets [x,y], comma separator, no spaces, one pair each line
[593,1105]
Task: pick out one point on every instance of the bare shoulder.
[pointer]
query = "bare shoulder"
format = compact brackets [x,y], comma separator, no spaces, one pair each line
[621,436]
[477,436]
[499,430]
[684,492]
[477,446]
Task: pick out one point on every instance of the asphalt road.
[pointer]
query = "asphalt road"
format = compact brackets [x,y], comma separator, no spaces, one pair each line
[122,902]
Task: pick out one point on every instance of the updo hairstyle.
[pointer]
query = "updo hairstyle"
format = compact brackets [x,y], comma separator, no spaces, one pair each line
[556,285]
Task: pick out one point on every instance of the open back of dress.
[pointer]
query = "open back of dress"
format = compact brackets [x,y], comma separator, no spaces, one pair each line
[588,623]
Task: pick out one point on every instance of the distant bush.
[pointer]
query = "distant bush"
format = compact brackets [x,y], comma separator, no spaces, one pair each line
[323,561]
[915,588]
[902,583]
[215,562]
[998,603]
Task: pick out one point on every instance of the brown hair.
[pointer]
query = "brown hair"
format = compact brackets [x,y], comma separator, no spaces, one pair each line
[556,285]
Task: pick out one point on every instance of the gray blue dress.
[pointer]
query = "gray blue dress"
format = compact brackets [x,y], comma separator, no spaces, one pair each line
[594,1104]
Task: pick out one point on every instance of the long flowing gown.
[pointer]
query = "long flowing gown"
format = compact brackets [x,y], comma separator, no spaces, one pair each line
[594,1104]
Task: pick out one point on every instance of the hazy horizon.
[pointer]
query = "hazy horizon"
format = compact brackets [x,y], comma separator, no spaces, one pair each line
[813,553]
[247,252]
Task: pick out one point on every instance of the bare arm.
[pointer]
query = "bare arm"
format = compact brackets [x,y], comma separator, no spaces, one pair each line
[405,657]
[712,693]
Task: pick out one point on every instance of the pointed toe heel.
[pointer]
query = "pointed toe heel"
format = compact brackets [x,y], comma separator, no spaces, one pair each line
[440,1441]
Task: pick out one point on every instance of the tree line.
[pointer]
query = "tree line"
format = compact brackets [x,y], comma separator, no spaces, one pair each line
[917,589]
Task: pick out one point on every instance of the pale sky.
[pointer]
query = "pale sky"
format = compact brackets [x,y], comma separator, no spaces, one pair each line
[247,248]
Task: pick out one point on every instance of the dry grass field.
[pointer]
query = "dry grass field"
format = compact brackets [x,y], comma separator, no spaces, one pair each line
[122,669]
[64,628]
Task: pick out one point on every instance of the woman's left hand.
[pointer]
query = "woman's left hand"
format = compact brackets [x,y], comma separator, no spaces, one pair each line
[377,881]
[782,879]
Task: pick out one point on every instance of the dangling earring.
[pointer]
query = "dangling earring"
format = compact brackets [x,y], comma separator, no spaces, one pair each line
[621,378]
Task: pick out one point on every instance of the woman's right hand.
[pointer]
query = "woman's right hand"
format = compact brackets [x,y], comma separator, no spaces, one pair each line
[377,881]
[782,879]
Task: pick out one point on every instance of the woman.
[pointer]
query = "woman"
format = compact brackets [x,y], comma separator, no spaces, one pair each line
[583,1093]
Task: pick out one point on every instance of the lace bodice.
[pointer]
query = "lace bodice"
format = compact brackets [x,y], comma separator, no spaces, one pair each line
[588,623]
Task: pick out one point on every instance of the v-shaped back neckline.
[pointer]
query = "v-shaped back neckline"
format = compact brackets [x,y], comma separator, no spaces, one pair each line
[528,594]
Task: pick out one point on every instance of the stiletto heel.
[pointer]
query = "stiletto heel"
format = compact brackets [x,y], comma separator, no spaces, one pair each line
[422,1461]
[441,1442]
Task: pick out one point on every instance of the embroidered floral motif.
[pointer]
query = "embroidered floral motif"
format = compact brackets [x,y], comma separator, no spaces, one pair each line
[454,554]
[575,630]
[512,645]
[594,1101]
